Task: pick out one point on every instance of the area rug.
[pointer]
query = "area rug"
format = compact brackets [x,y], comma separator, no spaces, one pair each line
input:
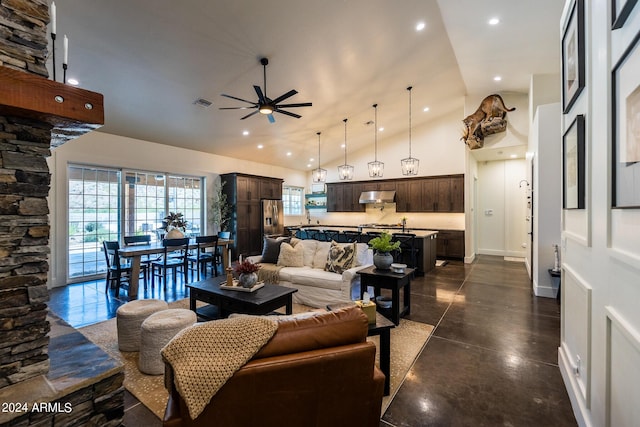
[407,340]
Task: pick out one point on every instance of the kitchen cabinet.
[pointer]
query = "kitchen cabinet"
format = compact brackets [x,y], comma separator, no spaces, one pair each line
[244,193]
[450,244]
[344,197]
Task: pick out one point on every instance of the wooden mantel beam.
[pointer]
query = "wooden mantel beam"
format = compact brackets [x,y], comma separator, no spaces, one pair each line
[70,110]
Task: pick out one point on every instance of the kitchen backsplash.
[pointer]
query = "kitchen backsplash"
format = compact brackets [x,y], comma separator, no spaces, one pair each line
[388,215]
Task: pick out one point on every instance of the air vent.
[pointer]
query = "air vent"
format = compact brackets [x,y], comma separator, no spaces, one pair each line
[201,102]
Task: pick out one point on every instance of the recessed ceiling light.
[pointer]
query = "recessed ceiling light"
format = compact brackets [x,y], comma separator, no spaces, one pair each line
[497,78]
[245,132]
[311,159]
[513,156]
[494,21]
[342,146]
[73,82]
[425,109]
[420,26]
[308,165]
[380,129]
[260,146]
[288,153]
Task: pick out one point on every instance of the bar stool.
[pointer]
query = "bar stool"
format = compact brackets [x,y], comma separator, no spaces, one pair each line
[408,249]
[352,236]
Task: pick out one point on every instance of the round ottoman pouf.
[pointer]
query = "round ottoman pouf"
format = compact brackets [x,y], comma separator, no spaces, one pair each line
[156,331]
[129,318]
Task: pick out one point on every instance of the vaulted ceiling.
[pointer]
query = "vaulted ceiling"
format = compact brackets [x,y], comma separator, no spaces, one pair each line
[153,58]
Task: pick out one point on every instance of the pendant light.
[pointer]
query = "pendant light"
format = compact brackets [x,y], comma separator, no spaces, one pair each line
[319,175]
[345,171]
[376,168]
[410,164]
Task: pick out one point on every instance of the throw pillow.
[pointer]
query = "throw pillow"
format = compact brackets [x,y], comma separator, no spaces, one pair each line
[291,256]
[271,249]
[340,257]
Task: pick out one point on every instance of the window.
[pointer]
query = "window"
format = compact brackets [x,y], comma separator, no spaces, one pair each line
[292,200]
[103,206]
[93,217]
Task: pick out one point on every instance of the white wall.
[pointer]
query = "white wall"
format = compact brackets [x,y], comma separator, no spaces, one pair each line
[501,210]
[546,143]
[102,149]
[599,355]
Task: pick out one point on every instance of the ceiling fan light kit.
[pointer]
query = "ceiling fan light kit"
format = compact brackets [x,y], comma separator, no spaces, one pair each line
[410,164]
[345,171]
[266,105]
[376,168]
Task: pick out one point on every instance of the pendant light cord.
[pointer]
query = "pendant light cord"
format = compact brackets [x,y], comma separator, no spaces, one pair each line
[318,150]
[345,141]
[375,138]
[409,89]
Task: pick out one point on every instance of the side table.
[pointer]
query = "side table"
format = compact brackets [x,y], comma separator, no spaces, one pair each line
[386,279]
[383,328]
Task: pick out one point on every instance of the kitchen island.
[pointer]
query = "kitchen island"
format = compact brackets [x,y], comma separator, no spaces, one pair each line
[425,242]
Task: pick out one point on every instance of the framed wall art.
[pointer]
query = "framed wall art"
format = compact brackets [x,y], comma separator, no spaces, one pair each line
[573,68]
[625,85]
[620,10]
[573,165]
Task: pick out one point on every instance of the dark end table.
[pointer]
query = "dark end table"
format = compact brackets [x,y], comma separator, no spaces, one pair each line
[386,279]
[262,301]
[383,328]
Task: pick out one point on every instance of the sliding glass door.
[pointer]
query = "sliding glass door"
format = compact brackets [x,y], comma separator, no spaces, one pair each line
[104,206]
[94,206]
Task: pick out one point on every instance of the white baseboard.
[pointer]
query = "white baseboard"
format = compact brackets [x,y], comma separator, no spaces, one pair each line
[544,291]
[580,410]
[469,259]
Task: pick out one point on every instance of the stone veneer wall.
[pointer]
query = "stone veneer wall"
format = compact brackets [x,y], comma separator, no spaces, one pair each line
[24,186]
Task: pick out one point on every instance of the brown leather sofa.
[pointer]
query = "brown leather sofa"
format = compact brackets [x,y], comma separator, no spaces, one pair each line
[316,370]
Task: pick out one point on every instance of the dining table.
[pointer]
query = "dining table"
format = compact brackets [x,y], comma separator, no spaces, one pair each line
[135,252]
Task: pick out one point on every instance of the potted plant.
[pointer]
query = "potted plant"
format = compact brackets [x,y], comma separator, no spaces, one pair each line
[247,273]
[221,211]
[382,245]
[175,226]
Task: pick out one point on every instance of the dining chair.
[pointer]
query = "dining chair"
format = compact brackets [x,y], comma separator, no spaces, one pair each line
[179,261]
[352,236]
[202,258]
[140,240]
[118,271]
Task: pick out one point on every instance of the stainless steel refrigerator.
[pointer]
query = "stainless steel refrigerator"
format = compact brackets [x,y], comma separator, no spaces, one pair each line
[272,218]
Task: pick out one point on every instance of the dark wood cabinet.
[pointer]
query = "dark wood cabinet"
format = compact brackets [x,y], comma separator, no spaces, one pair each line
[425,194]
[244,193]
[450,244]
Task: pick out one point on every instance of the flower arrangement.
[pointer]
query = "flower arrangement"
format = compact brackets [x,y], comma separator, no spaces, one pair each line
[246,267]
[383,243]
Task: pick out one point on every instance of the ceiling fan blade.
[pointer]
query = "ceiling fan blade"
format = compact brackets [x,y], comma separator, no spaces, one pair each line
[249,115]
[297,116]
[239,99]
[235,108]
[271,118]
[285,96]
[302,104]
[261,97]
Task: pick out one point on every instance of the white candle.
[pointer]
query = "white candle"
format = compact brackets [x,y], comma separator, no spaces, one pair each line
[229,258]
[66,50]
[53,17]
[240,258]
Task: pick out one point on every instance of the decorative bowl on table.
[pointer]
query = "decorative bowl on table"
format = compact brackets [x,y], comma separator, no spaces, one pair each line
[398,268]
[383,301]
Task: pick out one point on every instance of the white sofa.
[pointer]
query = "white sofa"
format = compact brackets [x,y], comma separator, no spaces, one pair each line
[317,287]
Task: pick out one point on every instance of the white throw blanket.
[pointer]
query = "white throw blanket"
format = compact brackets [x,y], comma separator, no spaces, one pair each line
[205,356]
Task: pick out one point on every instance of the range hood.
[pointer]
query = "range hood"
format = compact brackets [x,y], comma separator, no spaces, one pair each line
[368,197]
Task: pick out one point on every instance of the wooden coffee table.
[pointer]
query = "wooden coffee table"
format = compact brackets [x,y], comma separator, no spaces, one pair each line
[224,302]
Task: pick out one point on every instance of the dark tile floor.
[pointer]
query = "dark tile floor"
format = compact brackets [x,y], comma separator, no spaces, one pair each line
[492,359]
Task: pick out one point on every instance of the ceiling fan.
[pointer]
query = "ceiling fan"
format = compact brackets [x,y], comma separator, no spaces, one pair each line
[266,105]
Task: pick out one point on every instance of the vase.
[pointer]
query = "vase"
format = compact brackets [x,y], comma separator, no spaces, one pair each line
[247,280]
[382,260]
[174,233]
